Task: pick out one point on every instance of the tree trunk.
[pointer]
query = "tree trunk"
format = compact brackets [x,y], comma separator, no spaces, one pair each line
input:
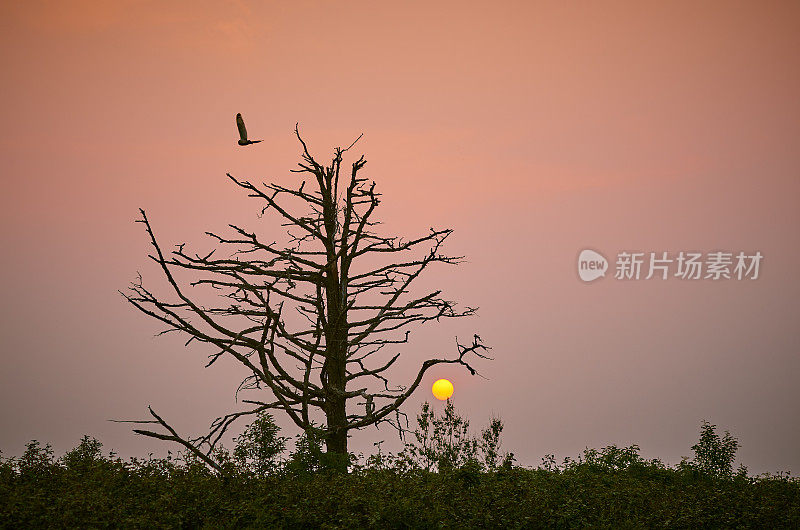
[336,415]
[337,441]
[336,342]
[335,412]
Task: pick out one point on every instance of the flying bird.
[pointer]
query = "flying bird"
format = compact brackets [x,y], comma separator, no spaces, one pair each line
[243,131]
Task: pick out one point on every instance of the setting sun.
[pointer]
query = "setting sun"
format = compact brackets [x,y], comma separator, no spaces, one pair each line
[442,389]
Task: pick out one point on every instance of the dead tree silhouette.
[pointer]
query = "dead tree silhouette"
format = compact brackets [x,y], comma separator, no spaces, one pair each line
[347,287]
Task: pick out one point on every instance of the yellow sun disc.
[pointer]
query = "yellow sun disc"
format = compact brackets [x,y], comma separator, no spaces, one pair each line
[442,389]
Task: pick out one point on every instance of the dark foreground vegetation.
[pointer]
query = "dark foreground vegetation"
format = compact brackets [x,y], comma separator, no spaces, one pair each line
[443,479]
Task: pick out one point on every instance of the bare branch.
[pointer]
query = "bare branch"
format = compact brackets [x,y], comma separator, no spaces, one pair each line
[347,294]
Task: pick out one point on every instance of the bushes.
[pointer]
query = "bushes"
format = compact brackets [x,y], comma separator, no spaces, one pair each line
[444,444]
[613,486]
[715,455]
[580,496]
[259,448]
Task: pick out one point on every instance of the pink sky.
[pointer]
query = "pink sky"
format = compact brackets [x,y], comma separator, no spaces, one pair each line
[533,129]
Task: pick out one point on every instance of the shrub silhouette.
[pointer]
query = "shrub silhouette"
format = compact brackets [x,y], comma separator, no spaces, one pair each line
[444,444]
[85,456]
[612,487]
[259,448]
[714,455]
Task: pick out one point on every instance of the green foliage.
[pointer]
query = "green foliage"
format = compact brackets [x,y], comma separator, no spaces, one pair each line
[259,448]
[83,457]
[444,444]
[36,459]
[613,458]
[309,456]
[611,487]
[490,447]
[714,455]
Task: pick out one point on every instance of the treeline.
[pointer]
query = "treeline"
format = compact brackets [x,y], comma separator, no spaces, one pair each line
[442,478]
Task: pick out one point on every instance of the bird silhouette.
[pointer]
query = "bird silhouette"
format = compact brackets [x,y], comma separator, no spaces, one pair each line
[243,131]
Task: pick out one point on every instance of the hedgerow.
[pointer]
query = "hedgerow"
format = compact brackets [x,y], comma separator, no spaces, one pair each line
[610,487]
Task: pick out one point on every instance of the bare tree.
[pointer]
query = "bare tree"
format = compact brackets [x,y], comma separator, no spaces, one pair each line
[345,287]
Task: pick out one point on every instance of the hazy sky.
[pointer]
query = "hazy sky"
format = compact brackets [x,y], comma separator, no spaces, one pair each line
[535,130]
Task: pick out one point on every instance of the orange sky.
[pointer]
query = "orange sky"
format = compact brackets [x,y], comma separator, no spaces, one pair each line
[533,129]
